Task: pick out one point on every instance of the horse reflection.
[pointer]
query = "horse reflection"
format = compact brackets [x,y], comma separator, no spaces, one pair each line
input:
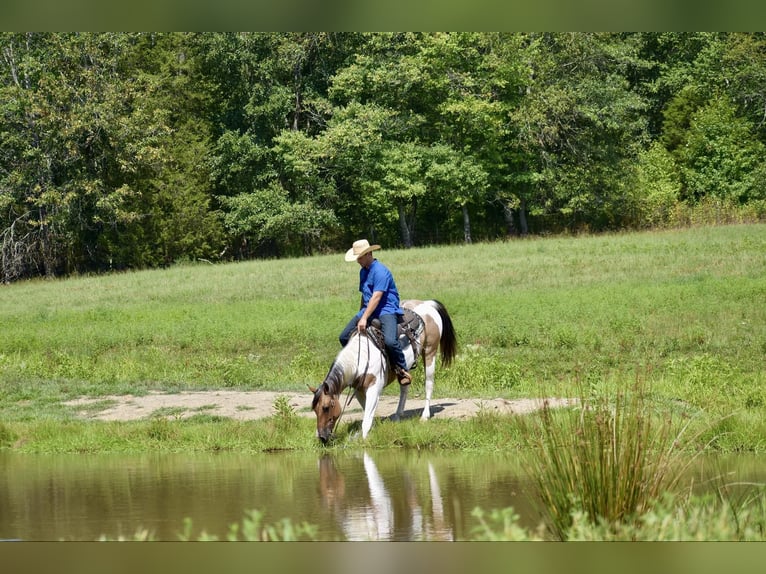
[379,513]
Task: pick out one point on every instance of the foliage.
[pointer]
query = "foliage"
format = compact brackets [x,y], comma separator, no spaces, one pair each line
[720,157]
[99,173]
[268,217]
[139,150]
[581,136]
[660,182]
[673,519]
[254,529]
[285,417]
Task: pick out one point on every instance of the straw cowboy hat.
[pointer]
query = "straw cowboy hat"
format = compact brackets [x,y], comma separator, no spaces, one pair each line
[360,248]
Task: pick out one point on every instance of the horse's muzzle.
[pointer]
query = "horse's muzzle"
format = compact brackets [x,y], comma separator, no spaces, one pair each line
[324,435]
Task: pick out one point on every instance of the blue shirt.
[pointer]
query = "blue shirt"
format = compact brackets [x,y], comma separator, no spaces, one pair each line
[379,278]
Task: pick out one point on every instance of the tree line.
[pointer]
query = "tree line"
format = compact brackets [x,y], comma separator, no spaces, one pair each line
[136,150]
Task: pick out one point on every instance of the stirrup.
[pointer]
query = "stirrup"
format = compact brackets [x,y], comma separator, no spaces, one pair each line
[404,377]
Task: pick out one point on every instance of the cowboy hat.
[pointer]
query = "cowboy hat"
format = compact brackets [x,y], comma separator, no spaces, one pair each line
[359,248]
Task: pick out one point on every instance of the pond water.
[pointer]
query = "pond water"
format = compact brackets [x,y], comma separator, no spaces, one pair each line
[387,495]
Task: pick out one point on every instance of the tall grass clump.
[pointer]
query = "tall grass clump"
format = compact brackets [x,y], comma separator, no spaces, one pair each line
[610,459]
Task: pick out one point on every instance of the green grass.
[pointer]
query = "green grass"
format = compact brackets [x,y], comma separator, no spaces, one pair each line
[683,309]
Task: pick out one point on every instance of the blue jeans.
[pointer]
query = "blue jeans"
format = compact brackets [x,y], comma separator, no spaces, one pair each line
[388,325]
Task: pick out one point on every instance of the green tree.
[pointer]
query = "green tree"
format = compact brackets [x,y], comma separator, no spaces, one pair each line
[126,150]
[353,149]
[430,107]
[273,88]
[579,128]
[658,187]
[721,157]
[485,80]
[63,178]
[396,83]
[96,133]
[178,219]
[456,179]
[742,74]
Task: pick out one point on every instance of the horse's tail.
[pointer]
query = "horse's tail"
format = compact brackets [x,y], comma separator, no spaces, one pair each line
[448,340]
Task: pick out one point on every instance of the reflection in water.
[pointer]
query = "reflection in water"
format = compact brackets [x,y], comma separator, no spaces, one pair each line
[396,495]
[380,495]
[376,520]
[374,517]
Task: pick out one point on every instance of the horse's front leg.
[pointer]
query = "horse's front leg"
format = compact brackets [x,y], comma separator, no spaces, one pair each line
[403,391]
[371,405]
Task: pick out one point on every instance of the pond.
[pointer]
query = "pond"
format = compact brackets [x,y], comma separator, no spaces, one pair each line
[361,495]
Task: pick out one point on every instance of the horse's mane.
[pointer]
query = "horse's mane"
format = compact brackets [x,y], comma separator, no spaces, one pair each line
[342,367]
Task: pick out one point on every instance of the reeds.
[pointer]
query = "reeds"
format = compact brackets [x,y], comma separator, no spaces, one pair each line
[610,458]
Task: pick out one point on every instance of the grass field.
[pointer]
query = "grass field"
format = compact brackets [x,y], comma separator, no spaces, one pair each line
[683,310]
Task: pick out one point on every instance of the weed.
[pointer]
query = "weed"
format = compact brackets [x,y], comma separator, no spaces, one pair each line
[285,417]
[498,525]
[160,429]
[168,412]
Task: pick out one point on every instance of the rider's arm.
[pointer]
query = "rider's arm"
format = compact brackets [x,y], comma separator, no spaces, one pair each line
[371,306]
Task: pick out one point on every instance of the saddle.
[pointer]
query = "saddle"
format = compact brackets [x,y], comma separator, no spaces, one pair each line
[408,331]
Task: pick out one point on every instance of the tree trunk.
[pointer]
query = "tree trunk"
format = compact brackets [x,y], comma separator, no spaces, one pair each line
[404,228]
[466,225]
[523,217]
[510,225]
[297,111]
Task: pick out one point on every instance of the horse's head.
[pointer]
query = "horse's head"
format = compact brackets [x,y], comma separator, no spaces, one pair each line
[327,408]
[332,484]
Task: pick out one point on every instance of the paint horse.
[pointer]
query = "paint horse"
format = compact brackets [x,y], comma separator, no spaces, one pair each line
[364,366]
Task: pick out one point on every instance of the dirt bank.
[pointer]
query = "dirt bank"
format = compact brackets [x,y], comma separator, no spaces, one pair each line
[250,405]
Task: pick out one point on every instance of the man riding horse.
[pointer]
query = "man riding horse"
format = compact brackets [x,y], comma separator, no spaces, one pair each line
[380,300]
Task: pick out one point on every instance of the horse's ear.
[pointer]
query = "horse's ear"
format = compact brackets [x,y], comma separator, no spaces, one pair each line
[312,389]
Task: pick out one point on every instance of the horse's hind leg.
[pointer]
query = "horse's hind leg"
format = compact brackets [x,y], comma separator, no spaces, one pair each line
[430,368]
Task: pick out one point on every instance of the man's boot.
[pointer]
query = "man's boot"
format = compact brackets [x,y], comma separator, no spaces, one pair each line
[404,377]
